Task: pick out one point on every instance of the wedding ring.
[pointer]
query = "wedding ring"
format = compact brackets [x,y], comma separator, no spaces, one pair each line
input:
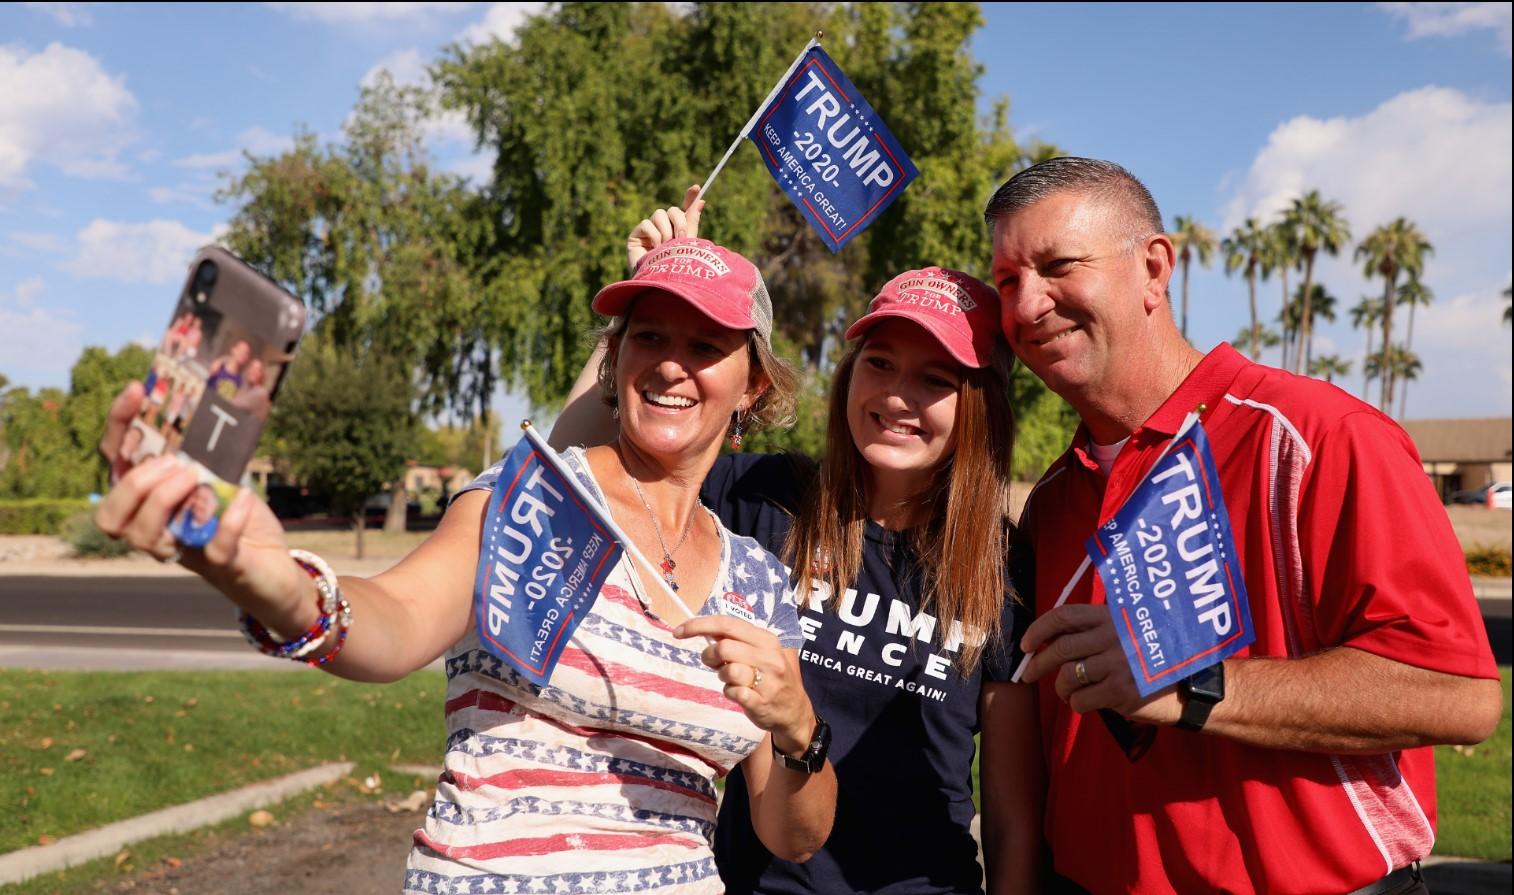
[1080,671]
[756,677]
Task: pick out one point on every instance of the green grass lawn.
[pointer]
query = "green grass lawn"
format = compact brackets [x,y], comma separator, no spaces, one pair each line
[1474,790]
[79,750]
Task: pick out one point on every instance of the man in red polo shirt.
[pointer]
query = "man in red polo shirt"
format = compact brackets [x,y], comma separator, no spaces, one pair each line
[1302,764]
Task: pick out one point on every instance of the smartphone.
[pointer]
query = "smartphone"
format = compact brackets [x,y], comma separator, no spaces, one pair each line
[213,379]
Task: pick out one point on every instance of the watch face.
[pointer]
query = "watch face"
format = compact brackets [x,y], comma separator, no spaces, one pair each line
[1208,684]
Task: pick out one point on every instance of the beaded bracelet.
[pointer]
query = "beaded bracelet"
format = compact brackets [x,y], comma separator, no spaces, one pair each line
[333,608]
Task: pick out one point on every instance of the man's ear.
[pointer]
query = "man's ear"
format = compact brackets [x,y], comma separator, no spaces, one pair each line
[1159,259]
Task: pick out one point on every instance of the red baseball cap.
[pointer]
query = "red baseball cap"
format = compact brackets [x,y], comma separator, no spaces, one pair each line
[962,312]
[720,283]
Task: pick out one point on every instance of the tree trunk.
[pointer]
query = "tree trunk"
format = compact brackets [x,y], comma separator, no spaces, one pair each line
[1185,295]
[1303,320]
[1282,273]
[1256,326]
[1366,367]
[1385,402]
[394,517]
[358,524]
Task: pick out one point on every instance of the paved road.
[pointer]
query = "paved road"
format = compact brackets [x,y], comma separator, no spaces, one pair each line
[180,622]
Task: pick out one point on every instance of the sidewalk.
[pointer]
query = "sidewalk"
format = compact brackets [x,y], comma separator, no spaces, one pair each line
[46,556]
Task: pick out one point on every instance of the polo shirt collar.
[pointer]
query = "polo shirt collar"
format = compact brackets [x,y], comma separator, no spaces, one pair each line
[1205,385]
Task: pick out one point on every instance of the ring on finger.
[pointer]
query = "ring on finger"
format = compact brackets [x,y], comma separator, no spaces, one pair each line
[1080,671]
[756,677]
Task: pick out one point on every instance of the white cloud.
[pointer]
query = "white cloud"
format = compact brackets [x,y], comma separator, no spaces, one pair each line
[154,252]
[404,67]
[1454,19]
[37,242]
[1433,155]
[359,13]
[37,345]
[1464,345]
[255,140]
[499,22]
[195,194]
[69,15]
[59,107]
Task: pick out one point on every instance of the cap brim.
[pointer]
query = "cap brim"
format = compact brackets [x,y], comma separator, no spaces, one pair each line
[932,326]
[614,299]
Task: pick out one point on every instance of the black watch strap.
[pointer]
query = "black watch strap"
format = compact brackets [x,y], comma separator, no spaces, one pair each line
[812,759]
[1201,692]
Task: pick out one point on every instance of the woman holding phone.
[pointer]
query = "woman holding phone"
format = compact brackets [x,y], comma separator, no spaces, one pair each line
[899,547]
[604,779]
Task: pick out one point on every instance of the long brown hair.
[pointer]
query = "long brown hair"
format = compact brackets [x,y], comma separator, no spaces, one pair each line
[962,547]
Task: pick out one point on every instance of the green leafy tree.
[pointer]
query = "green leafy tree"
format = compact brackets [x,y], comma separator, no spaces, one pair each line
[1192,240]
[1244,250]
[1279,255]
[1316,225]
[1253,339]
[1391,250]
[1413,293]
[1366,314]
[1318,305]
[383,249]
[1329,366]
[1397,363]
[345,419]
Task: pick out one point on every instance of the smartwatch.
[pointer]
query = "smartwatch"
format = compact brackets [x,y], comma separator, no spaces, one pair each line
[1200,692]
[812,759]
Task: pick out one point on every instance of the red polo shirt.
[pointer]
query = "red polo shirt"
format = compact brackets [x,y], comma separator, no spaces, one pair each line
[1342,541]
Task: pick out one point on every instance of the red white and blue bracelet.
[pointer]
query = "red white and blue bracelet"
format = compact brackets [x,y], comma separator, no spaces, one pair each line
[335,612]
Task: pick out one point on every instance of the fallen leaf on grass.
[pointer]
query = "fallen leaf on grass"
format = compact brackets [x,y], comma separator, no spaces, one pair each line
[181,714]
[122,857]
[411,803]
[1464,750]
[371,784]
[189,747]
[149,699]
[191,702]
[75,755]
[45,839]
[173,862]
[260,819]
[46,772]
[45,743]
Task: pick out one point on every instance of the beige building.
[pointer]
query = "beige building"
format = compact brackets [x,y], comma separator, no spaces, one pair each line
[1463,454]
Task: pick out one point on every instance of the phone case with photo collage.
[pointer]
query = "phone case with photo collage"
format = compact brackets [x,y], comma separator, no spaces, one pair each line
[228,344]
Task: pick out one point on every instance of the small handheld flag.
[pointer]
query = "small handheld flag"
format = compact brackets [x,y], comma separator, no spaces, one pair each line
[827,148]
[546,551]
[1170,571]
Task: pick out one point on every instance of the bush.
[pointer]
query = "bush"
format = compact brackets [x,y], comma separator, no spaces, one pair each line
[88,540]
[38,516]
[1491,562]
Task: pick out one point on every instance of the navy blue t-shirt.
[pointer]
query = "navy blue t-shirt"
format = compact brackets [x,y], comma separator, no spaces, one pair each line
[881,673]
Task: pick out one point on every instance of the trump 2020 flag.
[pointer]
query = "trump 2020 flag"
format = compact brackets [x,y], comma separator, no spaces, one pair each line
[1170,571]
[829,151]
[545,553]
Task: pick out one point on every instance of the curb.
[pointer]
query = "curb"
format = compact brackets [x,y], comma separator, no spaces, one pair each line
[111,838]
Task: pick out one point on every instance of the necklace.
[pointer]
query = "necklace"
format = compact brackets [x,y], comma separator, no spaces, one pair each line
[668,565]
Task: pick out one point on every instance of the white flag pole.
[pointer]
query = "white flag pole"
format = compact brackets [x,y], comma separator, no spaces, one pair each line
[745,131]
[549,454]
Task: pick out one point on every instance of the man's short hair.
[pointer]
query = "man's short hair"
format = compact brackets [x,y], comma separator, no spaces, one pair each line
[1105,181]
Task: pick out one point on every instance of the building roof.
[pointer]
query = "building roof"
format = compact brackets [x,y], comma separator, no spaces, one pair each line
[1485,440]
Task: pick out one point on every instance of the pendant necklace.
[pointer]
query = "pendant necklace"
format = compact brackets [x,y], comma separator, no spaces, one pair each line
[668,565]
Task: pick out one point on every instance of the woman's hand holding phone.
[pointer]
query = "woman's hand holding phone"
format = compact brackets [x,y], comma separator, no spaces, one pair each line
[248,557]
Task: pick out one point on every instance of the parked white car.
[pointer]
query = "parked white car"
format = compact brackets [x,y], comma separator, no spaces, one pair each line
[1501,496]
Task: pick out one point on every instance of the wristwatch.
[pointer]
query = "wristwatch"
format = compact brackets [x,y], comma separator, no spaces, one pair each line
[812,759]
[1200,692]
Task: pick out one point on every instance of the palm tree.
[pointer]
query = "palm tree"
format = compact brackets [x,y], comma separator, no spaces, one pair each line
[1413,293]
[1317,225]
[1508,301]
[1397,363]
[1329,366]
[1243,249]
[1264,336]
[1279,254]
[1390,250]
[1366,315]
[1190,239]
[1319,305]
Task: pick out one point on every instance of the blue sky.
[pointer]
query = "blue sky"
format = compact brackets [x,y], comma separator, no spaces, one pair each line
[116,119]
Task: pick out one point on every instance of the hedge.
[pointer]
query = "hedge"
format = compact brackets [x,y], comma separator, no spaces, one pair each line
[38,516]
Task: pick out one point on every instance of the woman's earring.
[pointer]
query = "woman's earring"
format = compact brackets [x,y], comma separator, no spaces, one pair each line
[615,413]
[736,431]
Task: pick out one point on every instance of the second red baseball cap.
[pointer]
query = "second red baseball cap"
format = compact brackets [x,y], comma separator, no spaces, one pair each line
[961,311]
